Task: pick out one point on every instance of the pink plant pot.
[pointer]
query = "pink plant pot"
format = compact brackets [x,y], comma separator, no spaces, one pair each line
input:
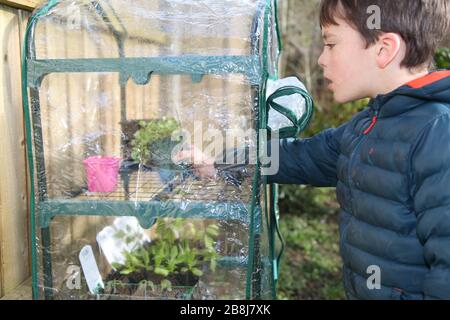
[102,173]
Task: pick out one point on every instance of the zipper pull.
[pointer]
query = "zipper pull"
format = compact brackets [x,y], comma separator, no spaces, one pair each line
[372,124]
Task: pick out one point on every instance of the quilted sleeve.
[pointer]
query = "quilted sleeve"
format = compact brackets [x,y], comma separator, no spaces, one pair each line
[310,161]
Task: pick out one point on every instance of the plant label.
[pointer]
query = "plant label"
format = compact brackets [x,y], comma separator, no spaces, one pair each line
[90,269]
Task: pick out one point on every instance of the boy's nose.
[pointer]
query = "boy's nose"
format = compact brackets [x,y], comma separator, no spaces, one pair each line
[321,60]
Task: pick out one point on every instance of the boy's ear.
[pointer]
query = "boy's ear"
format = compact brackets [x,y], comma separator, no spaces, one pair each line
[387,48]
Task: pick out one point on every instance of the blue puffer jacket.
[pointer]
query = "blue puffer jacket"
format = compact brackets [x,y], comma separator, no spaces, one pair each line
[391,167]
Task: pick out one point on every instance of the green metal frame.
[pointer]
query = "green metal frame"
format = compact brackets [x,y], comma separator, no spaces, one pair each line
[140,70]
[298,125]
[144,211]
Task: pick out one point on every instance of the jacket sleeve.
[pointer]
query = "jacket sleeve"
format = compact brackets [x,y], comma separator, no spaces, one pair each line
[431,194]
[309,161]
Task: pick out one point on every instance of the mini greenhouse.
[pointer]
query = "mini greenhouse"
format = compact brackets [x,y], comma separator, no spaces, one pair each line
[112,89]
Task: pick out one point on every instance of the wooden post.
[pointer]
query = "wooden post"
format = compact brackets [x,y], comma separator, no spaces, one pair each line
[14,247]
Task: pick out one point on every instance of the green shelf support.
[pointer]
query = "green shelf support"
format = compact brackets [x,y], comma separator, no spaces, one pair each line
[141,69]
[233,262]
[146,212]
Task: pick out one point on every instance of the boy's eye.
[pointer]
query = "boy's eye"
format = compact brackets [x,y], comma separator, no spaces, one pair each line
[329,45]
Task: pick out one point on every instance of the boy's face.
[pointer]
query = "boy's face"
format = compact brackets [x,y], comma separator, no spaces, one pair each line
[347,64]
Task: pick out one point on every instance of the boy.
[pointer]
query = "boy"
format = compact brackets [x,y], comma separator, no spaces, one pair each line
[391,162]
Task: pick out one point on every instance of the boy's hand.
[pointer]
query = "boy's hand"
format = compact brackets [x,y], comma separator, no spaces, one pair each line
[203,165]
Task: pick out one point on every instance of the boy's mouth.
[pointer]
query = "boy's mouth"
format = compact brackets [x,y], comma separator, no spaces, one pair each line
[329,83]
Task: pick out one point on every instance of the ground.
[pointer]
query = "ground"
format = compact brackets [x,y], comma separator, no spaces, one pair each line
[311,267]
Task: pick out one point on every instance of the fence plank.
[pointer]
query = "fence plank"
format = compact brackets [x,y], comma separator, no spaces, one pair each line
[14,266]
[22,292]
[23,21]
[22,4]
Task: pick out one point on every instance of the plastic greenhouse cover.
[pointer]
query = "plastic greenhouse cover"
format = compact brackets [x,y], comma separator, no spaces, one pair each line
[116,217]
[170,27]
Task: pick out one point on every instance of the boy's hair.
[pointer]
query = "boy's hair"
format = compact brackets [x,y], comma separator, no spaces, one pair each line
[421,23]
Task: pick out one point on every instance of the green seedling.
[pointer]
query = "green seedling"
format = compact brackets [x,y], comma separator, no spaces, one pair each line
[150,132]
[177,248]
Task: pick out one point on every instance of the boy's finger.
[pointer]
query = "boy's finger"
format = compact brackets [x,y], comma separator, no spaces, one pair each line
[183,155]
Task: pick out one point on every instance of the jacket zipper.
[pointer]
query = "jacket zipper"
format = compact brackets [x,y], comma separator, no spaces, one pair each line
[353,155]
[352,160]
[372,124]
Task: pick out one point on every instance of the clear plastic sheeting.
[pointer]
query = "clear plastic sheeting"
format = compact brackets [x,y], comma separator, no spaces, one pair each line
[114,91]
[150,28]
[295,103]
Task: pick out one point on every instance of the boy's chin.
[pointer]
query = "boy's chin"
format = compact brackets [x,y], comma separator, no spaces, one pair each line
[341,100]
[345,98]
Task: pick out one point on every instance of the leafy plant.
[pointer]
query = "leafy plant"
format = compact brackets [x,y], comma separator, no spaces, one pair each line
[312,266]
[442,58]
[150,132]
[178,248]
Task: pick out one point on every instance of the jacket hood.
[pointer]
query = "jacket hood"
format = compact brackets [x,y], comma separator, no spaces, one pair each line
[433,87]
